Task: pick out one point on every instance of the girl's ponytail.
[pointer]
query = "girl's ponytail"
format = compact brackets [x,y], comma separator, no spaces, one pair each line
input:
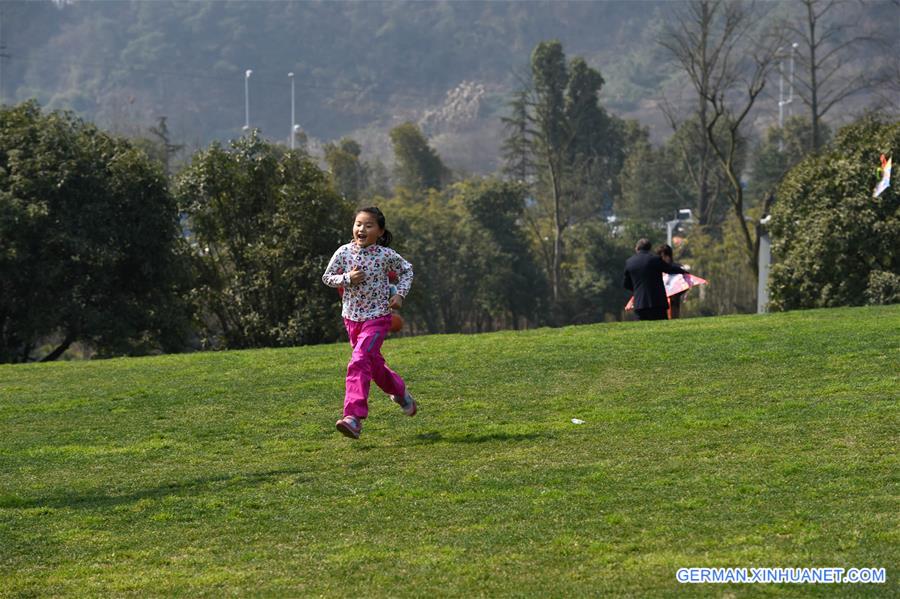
[385,239]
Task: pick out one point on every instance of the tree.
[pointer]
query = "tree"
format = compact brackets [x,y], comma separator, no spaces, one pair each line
[596,148]
[781,149]
[510,286]
[90,243]
[263,223]
[558,129]
[826,79]
[349,174]
[552,138]
[710,253]
[734,75]
[696,41]
[833,244]
[167,148]
[427,233]
[474,268]
[595,272]
[516,146]
[159,147]
[418,166]
[653,184]
[687,163]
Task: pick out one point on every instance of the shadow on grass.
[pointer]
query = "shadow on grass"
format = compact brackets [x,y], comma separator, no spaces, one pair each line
[185,487]
[437,437]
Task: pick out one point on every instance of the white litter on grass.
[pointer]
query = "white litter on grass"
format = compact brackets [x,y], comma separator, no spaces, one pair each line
[577,421]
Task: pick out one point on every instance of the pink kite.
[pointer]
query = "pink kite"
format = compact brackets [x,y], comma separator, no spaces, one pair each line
[675,284]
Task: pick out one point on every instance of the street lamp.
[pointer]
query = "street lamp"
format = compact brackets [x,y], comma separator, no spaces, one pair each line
[247,74]
[764,262]
[293,121]
[782,101]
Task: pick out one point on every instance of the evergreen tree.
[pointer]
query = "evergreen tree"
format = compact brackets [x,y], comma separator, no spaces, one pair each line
[559,130]
[348,172]
[516,146]
[418,167]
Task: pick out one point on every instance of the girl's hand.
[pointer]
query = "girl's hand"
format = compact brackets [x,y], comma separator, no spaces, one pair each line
[396,302]
[357,276]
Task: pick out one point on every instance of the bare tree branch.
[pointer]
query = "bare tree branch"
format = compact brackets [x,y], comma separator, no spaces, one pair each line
[735,73]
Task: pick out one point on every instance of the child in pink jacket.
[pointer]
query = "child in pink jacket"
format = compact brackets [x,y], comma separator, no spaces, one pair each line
[361,267]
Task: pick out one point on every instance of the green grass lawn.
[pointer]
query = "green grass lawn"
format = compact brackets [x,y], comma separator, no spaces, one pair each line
[736,441]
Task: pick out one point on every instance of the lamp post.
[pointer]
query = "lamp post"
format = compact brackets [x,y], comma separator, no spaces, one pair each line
[764,261]
[782,101]
[790,99]
[293,121]
[247,74]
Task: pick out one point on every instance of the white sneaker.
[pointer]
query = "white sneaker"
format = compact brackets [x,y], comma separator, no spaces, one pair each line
[407,403]
[349,426]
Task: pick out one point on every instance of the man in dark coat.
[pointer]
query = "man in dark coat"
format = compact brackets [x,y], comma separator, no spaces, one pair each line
[643,277]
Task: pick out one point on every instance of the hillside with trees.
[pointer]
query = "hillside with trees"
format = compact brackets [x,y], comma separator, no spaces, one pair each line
[360,68]
[138,214]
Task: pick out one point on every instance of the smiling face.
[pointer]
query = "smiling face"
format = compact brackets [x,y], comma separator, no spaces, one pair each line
[366,230]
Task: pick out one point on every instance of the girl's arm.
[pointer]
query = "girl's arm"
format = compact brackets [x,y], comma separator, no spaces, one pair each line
[404,272]
[334,275]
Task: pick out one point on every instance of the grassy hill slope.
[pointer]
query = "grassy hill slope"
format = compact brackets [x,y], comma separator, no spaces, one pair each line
[737,441]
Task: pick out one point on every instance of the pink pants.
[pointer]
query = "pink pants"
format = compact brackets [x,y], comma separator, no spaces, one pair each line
[367,364]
